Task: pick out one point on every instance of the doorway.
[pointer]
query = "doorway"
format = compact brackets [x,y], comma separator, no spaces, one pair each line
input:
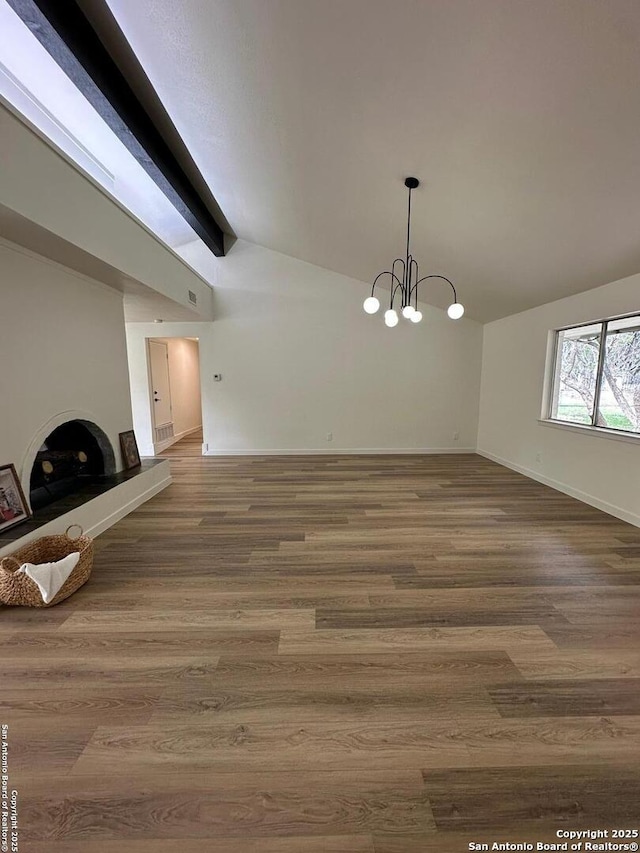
[174,392]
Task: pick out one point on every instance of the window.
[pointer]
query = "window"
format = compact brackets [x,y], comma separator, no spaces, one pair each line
[596,377]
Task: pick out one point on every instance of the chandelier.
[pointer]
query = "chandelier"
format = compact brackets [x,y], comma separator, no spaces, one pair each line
[404,281]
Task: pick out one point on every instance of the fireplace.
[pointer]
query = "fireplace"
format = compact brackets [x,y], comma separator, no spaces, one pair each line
[73,454]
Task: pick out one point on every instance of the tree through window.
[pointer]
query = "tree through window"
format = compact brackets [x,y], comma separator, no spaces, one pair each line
[595,384]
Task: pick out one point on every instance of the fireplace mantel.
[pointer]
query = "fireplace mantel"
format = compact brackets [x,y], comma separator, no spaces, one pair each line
[95,507]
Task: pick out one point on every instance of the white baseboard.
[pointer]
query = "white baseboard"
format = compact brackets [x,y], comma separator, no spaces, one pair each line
[103,511]
[159,446]
[592,500]
[162,445]
[344,451]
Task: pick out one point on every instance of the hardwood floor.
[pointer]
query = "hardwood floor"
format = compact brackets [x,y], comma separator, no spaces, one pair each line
[190,445]
[331,654]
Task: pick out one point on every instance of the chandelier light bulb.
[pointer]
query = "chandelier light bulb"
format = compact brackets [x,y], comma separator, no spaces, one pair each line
[391,318]
[416,317]
[371,304]
[408,311]
[455,311]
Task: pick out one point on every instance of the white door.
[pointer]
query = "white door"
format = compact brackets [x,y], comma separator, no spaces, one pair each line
[160,389]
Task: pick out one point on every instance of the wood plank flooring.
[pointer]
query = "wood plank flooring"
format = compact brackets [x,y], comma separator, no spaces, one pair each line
[190,445]
[329,654]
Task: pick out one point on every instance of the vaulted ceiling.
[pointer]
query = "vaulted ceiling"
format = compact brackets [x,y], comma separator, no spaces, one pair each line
[521,118]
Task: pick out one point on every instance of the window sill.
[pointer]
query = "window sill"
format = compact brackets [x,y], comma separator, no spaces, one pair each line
[616,435]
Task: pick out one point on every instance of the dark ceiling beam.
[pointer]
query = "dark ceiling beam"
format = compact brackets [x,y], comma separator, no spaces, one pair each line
[68,36]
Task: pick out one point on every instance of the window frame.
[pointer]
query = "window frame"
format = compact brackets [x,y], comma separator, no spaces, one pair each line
[553,377]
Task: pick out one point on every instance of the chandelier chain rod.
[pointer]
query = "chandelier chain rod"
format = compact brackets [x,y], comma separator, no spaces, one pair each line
[407,269]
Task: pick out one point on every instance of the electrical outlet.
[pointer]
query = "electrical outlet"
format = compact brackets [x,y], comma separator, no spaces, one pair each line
[538,457]
[456,436]
[329,436]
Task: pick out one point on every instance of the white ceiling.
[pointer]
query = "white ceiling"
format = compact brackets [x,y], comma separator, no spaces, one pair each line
[521,118]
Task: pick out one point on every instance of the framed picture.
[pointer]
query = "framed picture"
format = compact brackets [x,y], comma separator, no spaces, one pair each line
[129,448]
[13,506]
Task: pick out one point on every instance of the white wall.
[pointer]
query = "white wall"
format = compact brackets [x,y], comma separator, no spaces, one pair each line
[41,185]
[184,380]
[600,470]
[62,350]
[300,358]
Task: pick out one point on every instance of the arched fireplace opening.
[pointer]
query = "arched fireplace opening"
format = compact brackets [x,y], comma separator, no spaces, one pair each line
[75,453]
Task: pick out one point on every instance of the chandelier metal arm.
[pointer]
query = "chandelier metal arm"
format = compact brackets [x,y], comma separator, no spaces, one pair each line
[373,286]
[413,277]
[387,272]
[404,267]
[403,283]
[393,292]
[444,278]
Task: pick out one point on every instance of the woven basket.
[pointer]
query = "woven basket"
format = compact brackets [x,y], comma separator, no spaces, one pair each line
[20,589]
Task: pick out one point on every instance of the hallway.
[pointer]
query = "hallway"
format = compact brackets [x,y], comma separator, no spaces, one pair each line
[190,445]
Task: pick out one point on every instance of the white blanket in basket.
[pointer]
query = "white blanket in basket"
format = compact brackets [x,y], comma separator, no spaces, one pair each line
[50,577]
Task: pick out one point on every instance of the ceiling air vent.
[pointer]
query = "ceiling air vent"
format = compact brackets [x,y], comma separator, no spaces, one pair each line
[193,299]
